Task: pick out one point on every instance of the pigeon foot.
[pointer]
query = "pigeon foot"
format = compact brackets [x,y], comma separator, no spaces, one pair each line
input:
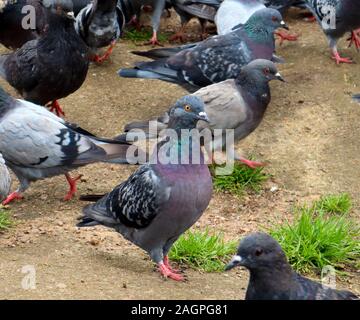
[178,36]
[167,273]
[167,264]
[252,164]
[339,59]
[355,39]
[106,55]
[154,41]
[72,184]
[11,197]
[56,108]
[286,36]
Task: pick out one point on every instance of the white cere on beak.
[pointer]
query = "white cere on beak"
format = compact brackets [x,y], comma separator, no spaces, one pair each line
[202,114]
[282,22]
[71,14]
[278,74]
[236,258]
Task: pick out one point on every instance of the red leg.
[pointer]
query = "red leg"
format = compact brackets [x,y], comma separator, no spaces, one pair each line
[106,55]
[72,184]
[339,59]
[11,197]
[286,36]
[167,273]
[355,39]
[154,40]
[56,108]
[167,264]
[179,35]
[251,164]
[134,21]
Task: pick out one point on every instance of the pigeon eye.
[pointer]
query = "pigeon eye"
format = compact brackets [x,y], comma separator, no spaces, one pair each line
[266,70]
[258,252]
[275,19]
[187,107]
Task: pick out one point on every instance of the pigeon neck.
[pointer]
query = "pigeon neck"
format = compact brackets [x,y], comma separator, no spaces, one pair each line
[257,31]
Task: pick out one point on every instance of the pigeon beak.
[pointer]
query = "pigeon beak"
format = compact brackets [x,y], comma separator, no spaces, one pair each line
[284,25]
[233,263]
[203,116]
[279,77]
[71,15]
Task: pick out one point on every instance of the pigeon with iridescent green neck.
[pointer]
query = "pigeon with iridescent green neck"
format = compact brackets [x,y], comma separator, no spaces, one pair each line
[218,58]
[161,200]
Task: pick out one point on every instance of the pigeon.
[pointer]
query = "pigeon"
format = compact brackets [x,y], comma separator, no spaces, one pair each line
[356,97]
[99,25]
[78,5]
[37,144]
[271,276]
[160,201]
[237,104]
[218,58]
[5,179]
[233,13]
[52,66]
[12,33]
[186,12]
[337,17]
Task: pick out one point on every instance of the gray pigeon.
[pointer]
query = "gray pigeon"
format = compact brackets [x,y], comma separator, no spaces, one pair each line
[5,179]
[159,201]
[37,144]
[271,276]
[52,66]
[99,25]
[237,104]
[337,17]
[218,58]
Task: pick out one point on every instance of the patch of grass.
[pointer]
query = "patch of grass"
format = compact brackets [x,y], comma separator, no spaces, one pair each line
[143,35]
[340,204]
[203,251]
[5,221]
[240,179]
[317,237]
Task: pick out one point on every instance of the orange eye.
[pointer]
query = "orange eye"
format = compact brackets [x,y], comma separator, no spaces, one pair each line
[266,70]
[187,107]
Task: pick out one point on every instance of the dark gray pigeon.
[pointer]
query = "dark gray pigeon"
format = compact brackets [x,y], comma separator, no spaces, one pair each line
[159,201]
[271,276]
[52,66]
[99,25]
[12,33]
[5,179]
[36,144]
[237,104]
[204,13]
[345,14]
[218,58]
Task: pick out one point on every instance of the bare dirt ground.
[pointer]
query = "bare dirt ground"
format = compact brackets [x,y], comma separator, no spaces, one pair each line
[310,137]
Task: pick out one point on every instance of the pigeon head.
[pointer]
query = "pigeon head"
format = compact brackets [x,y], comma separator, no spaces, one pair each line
[186,112]
[263,69]
[269,18]
[258,251]
[63,8]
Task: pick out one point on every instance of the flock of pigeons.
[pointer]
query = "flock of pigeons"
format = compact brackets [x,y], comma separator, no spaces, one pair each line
[228,76]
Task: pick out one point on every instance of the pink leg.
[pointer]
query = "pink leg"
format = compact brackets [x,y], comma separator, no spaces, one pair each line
[11,197]
[72,184]
[339,59]
[167,264]
[167,273]
[154,40]
[106,55]
[355,39]
[56,108]
[180,35]
[251,164]
[286,36]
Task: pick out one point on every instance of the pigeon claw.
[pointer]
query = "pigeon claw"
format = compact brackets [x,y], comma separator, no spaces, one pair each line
[11,197]
[286,36]
[56,108]
[339,59]
[72,184]
[167,273]
[106,55]
[154,40]
[178,36]
[252,164]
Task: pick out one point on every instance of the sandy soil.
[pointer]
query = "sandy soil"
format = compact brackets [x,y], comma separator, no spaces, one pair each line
[310,137]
